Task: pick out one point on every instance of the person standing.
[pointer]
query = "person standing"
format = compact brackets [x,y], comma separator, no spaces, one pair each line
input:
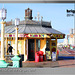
[9,49]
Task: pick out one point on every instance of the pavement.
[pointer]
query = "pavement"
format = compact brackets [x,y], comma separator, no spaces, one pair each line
[51,64]
[67,63]
[66,59]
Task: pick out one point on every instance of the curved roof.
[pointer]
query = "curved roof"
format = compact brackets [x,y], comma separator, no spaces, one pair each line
[31,29]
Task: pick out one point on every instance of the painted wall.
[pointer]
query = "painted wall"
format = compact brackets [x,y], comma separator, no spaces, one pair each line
[43,44]
[20,46]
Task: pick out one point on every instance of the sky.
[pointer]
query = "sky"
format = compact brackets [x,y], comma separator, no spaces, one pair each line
[54,12]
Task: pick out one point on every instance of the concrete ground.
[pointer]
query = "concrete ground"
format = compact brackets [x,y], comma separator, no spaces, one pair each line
[51,64]
[57,64]
[67,57]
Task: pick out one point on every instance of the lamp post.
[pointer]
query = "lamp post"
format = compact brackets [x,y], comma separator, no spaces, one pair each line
[3,13]
[16,35]
[16,58]
[72,13]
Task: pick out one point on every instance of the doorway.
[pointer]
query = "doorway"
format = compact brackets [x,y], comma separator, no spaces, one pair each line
[31,52]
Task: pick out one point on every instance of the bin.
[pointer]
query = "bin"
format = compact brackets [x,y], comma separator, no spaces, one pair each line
[22,59]
[40,56]
[44,57]
[37,57]
[21,56]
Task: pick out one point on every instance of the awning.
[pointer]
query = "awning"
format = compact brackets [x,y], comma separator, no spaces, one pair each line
[58,36]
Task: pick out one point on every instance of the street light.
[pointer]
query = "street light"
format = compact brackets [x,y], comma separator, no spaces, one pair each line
[16,58]
[3,13]
[17,20]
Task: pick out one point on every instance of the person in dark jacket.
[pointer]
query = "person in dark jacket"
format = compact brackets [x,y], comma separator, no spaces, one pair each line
[9,49]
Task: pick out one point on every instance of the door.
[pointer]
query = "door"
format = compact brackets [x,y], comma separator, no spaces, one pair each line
[31,52]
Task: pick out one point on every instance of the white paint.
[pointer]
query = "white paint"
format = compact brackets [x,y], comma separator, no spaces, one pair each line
[43,49]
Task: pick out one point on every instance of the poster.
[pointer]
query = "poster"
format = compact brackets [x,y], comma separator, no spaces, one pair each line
[48,55]
[53,56]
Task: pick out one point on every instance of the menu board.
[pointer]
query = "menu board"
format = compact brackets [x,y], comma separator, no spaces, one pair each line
[48,55]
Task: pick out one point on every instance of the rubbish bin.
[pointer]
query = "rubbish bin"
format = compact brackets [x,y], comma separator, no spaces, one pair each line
[37,57]
[40,56]
[53,56]
[22,59]
[44,57]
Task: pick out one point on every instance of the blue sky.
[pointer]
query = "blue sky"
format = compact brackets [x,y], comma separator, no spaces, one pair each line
[54,12]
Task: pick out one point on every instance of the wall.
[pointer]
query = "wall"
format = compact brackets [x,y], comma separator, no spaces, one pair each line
[20,46]
[22,50]
[43,44]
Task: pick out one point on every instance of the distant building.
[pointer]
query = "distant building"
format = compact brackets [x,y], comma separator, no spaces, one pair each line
[70,37]
[63,43]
